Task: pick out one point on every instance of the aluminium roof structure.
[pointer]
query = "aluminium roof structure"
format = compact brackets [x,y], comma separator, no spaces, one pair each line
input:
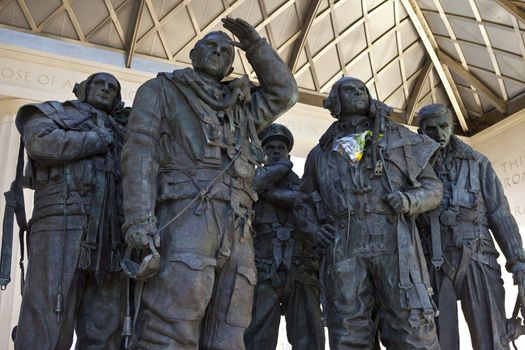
[468,54]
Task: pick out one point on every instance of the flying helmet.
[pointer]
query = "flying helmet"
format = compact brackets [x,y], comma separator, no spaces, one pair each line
[276,130]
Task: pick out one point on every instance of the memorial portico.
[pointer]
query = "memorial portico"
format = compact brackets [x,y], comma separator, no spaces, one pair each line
[409,53]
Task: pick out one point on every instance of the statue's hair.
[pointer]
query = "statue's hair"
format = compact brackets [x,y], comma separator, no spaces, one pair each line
[432,111]
[216,32]
[332,102]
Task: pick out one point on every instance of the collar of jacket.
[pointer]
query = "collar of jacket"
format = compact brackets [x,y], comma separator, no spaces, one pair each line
[459,149]
[228,91]
[117,124]
[119,114]
[342,126]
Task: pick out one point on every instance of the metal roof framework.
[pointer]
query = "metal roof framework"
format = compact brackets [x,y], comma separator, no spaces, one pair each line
[468,54]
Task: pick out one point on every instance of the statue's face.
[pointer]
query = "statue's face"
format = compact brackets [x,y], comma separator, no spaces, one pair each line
[102,92]
[438,128]
[213,56]
[354,98]
[276,150]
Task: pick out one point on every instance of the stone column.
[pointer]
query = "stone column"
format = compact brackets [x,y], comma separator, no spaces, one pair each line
[10,298]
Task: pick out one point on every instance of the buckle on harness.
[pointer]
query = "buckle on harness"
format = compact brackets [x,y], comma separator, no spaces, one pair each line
[378,170]
[437,263]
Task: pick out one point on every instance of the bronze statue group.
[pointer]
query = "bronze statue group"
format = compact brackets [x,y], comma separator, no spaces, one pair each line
[191,193]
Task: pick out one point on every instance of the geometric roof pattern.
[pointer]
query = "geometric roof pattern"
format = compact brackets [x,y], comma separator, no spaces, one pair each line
[468,54]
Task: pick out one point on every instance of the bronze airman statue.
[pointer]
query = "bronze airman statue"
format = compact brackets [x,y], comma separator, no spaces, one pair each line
[287,264]
[365,181]
[73,280]
[460,237]
[188,166]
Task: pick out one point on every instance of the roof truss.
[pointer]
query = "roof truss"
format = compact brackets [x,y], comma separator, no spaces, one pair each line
[514,9]
[301,41]
[457,68]
[430,44]
[317,44]
[416,91]
[133,41]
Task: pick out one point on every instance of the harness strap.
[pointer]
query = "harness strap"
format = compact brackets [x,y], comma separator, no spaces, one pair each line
[412,275]
[462,269]
[404,273]
[435,233]
[90,241]
[474,176]
[14,206]
[7,240]
[412,167]
[460,184]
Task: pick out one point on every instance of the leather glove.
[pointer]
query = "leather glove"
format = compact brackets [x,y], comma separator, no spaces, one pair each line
[243,30]
[324,236]
[518,273]
[105,136]
[398,202]
[137,236]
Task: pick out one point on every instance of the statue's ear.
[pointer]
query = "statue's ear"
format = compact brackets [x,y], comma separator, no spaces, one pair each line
[80,90]
[372,107]
[231,71]
[192,52]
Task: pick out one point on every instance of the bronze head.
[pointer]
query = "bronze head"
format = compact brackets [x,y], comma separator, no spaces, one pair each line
[348,96]
[100,90]
[435,121]
[277,141]
[213,55]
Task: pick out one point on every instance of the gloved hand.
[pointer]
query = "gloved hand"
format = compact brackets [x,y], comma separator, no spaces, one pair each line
[243,30]
[518,272]
[137,235]
[105,136]
[323,236]
[398,202]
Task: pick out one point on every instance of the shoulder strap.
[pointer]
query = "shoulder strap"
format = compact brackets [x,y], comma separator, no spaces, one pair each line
[474,176]
[412,167]
[460,182]
[14,206]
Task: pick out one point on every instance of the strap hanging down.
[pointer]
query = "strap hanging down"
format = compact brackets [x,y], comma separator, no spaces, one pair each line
[435,233]
[14,206]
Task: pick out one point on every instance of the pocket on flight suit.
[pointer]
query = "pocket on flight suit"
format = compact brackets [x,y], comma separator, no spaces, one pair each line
[240,309]
[189,283]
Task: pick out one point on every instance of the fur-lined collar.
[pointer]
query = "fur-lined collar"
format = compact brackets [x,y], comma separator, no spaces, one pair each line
[338,127]
[219,95]
[460,149]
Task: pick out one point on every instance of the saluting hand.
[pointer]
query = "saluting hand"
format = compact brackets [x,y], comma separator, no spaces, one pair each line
[243,30]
